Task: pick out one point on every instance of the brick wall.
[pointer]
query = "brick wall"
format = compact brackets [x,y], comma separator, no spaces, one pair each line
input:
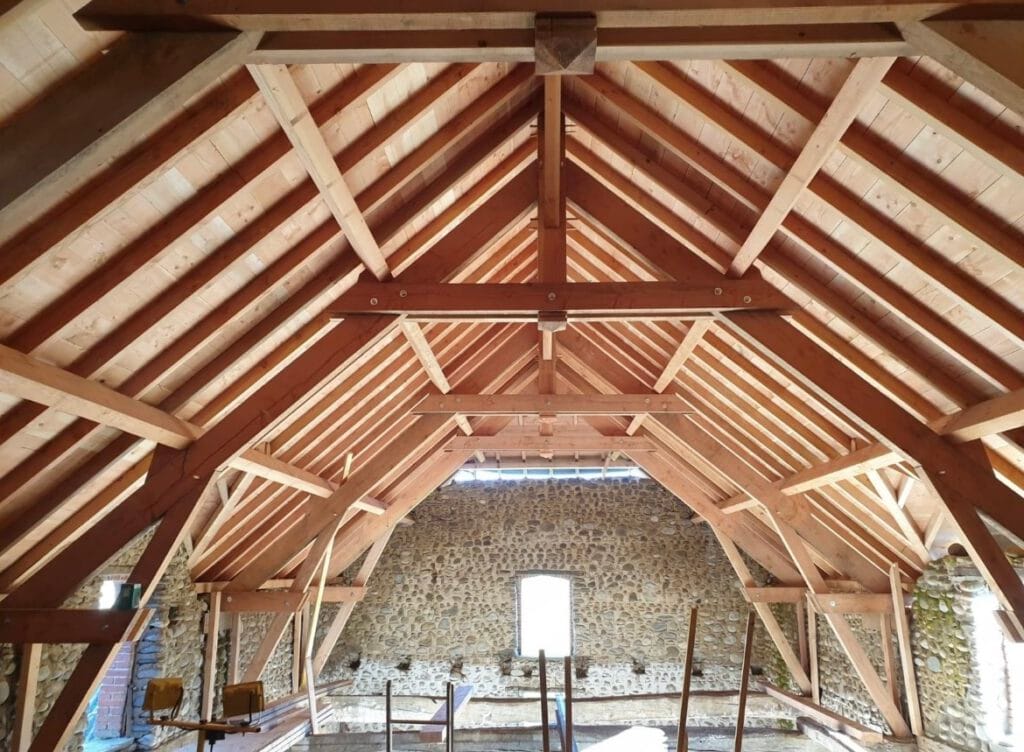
[113,697]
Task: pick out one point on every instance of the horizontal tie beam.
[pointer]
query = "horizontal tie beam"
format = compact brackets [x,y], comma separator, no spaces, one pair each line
[550,404]
[580,301]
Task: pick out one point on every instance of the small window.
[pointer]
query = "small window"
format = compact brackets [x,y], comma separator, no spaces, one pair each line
[545,615]
[1002,677]
[108,593]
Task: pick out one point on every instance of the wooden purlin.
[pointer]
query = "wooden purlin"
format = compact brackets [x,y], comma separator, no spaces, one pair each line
[985,52]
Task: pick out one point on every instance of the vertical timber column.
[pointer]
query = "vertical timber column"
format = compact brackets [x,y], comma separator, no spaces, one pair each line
[210,660]
[551,229]
[235,648]
[25,706]
[545,727]
[812,649]
[570,734]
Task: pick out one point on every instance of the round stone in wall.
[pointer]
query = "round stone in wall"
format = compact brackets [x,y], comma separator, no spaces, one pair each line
[5,692]
[934,664]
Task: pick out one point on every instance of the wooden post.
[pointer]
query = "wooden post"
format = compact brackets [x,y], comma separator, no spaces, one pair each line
[450,719]
[235,648]
[801,634]
[812,648]
[682,738]
[570,739]
[210,661]
[311,616]
[545,731]
[25,703]
[899,611]
[296,650]
[388,743]
[314,722]
[741,712]
[889,659]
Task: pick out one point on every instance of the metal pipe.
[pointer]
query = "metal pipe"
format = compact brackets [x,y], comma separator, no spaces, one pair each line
[451,718]
[545,728]
[388,744]
[570,740]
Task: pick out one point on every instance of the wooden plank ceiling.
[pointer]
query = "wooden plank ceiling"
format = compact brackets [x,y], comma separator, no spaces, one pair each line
[179,320]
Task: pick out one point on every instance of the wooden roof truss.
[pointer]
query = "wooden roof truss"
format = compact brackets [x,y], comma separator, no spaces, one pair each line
[830,389]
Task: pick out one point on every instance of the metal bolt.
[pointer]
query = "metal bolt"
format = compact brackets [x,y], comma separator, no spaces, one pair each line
[746,298]
[373,301]
[403,293]
[718,291]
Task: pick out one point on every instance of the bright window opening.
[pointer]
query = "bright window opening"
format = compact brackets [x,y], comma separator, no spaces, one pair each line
[1001,675]
[545,615]
[108,593]
[470,473]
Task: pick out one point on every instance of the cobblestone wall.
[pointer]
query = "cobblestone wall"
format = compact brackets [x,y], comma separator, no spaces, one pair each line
[841,688]
[443,598]
[277,676]
[950,667]
[949,664]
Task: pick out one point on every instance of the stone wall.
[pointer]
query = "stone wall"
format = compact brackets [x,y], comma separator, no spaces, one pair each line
[950,666]
[443,598]
[945,639]
[277,676]
[841,688]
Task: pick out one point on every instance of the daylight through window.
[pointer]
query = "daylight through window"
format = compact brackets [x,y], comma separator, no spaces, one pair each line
[545,615]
